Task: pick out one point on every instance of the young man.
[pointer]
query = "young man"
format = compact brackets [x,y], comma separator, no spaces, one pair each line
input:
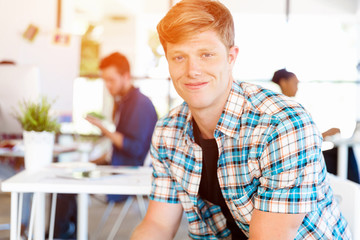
[236,158]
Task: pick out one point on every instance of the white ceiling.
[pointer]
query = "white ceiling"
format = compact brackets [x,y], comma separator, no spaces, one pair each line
[97,9]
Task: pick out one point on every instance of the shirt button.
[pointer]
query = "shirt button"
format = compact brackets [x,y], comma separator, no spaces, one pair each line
[197,168]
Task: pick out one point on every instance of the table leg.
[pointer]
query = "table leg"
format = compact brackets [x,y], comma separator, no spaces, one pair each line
[83,199]
[14,215]
[32,216]
[342,164]
[39,224]
[20,209]
[52,216]
[82,218]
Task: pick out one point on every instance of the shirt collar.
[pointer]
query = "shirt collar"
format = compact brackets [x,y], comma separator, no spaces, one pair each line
[229,122]
[129,94]
[188,126]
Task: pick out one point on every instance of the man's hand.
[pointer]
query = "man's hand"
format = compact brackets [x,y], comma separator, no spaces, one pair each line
[330,132]
[115,137]
[274,226]
[95,121]
[161,222]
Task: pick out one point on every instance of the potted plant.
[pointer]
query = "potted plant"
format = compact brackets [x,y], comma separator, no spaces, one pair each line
[39,131]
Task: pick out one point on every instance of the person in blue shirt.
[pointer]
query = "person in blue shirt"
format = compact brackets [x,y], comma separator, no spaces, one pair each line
[134,116]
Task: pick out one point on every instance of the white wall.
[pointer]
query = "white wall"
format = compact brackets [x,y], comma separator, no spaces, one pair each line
[296,6]
[58,65]
[358,57]
[324,6]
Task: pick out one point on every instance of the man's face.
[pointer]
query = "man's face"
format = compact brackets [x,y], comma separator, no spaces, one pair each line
[114,81]
[290,86]
[200,68]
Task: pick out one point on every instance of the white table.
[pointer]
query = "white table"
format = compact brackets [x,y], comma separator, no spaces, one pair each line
[133,181]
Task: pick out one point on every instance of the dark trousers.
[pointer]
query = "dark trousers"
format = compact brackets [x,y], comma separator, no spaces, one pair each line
[65,217]
[66,214]
[331,160]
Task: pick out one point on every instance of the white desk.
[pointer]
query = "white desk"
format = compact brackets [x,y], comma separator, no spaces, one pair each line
[134,181]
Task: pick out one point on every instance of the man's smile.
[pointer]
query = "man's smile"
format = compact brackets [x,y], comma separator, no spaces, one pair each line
[196,85]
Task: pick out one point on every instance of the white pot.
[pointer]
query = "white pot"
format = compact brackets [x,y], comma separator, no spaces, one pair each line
[39,148]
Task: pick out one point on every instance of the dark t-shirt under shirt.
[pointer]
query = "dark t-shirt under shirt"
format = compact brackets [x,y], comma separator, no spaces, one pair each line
[209,185]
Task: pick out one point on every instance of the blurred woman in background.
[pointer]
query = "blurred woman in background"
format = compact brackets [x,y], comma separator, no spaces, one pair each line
[288,83]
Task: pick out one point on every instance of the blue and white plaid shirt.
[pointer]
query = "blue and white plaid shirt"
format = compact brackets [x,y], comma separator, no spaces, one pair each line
[269,159]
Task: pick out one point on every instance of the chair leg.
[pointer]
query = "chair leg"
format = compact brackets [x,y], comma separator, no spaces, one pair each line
[121,217]
[103,220]
[141,204]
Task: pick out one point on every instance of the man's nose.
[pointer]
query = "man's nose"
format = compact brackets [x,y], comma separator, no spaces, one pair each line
[194,68]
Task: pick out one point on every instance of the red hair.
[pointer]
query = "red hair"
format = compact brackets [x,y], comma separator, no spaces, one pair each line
[189,17]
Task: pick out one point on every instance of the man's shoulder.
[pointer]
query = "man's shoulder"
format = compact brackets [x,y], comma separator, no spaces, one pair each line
[266,101]
[171,126]
[176,118]
[141,101]
[141,96]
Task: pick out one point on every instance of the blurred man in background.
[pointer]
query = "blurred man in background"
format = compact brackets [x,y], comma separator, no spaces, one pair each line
[134,117]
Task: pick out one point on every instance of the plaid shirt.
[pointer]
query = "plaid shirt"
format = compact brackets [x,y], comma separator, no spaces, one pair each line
[269,159]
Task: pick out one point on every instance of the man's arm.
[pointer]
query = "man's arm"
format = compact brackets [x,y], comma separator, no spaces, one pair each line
[274,226]
[330,132]
[115,137]
[161,221]
[102,160]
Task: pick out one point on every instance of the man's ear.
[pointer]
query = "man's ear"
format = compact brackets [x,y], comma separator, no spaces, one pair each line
[233,52]
[127,76]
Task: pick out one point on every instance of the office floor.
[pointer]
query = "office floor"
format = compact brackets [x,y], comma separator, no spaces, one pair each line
[96,210]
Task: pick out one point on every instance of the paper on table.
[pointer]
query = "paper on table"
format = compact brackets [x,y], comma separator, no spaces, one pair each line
[126,169]
[78,166]
[88,175]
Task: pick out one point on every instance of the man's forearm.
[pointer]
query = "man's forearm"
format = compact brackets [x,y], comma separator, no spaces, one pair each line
[115,137]
[101,160]
[274,226]
[151,232]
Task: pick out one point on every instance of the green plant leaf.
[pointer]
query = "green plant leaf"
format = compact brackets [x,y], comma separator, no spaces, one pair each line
[35,116]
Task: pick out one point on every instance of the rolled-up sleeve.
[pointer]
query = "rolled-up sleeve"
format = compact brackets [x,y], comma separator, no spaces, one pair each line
[163,185]
[290,166]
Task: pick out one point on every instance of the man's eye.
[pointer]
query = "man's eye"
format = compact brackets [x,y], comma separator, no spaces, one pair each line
[207,55]
[178,58]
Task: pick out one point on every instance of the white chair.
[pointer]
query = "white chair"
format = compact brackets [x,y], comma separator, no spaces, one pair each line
[124,210]
[347,194]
